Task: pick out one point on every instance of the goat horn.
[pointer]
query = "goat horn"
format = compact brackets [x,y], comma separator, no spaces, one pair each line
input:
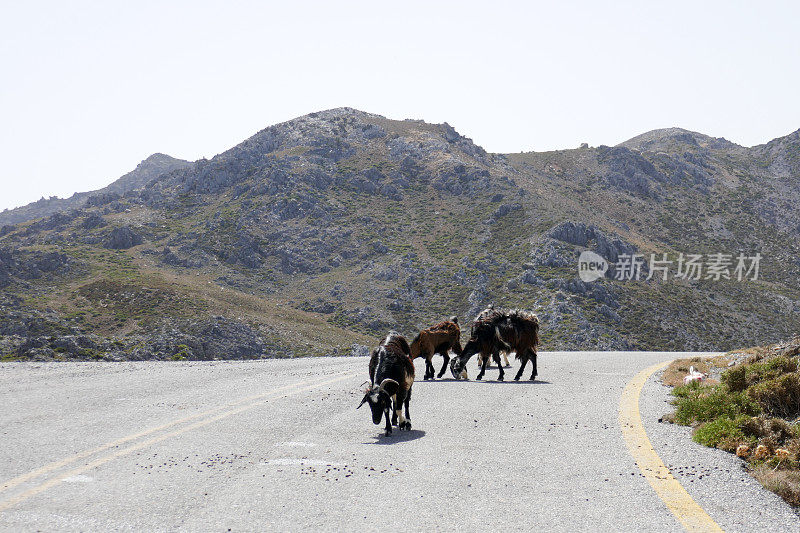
[385,381]
[362,403]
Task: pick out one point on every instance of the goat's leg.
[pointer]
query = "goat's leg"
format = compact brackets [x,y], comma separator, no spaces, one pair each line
[388,430]
[483,366]
[446,357]
[429,370]
[532,351]
[496,357]
[397,402]
[505,359]
[403,422]
[408,415]
[397,414]
[524,360]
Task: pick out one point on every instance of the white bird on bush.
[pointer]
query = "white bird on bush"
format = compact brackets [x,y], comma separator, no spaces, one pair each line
[693,375]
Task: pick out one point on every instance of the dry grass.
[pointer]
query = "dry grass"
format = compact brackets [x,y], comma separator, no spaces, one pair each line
[757,353]
[297,325]
[125,292]
[784,483]
[675,372]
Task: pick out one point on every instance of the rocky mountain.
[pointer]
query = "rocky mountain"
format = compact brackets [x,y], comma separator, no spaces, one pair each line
[150,168]
[317,235]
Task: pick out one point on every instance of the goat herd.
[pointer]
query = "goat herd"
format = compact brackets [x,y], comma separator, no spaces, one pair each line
[391,367]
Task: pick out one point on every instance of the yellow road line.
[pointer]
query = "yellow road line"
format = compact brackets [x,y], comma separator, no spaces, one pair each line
[255,400]
[671,492]
[82,455]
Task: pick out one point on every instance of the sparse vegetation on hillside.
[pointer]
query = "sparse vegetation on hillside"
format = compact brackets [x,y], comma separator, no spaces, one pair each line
[358,224]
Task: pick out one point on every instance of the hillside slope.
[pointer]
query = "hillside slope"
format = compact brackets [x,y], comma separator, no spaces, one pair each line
[325,231]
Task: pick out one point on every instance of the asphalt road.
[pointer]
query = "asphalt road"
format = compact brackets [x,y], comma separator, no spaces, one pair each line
[278,445]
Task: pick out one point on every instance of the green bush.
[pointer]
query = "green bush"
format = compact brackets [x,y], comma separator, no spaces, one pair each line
[735,378]
[182,353]
[775,429]
[725,433]
[744,376]
[701,404]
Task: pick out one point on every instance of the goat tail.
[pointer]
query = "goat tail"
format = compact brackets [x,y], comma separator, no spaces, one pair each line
[504,345]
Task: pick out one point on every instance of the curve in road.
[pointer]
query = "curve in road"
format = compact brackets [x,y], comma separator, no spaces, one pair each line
[678,501]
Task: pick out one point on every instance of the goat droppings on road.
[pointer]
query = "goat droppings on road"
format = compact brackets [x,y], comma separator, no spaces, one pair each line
[289,461]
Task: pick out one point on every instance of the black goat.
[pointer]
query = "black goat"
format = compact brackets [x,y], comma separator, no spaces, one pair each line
[482,316]
[391,374]
[496,331]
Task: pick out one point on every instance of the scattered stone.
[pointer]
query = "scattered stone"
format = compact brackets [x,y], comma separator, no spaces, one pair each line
[92,221]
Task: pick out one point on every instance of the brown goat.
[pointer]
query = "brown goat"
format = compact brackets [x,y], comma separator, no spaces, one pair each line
[440,339]
[512,330]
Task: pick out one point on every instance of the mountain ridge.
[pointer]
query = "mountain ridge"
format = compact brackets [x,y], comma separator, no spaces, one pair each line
[149,168]
[351,223]
[133,180]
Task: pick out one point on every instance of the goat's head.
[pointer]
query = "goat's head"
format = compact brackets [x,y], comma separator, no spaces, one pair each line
[379,398]
[458,367]
[414,347]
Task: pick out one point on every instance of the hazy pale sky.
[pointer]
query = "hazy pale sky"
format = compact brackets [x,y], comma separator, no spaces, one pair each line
[89,89]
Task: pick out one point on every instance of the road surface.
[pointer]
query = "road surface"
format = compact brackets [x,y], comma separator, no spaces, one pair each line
[278,445]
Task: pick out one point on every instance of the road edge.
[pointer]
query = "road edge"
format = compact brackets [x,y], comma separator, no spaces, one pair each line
[688,512]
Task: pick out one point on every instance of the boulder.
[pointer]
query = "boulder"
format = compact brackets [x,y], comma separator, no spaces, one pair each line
[122,238]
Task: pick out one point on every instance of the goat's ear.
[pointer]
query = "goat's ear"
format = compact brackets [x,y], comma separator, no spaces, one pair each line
[390,386]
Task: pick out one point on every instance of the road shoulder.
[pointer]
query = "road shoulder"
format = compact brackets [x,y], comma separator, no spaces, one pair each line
[716,480]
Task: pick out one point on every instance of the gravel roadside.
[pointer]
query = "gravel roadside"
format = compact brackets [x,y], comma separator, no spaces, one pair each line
[717,480]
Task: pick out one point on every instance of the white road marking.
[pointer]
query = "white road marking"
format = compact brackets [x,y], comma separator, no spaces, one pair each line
[78,479]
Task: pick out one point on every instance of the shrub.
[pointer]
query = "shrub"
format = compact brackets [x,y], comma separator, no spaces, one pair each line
[724,417]
[779,396]
[182,353]
[735,378]
[744,376]
[697,403]
[724,433]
